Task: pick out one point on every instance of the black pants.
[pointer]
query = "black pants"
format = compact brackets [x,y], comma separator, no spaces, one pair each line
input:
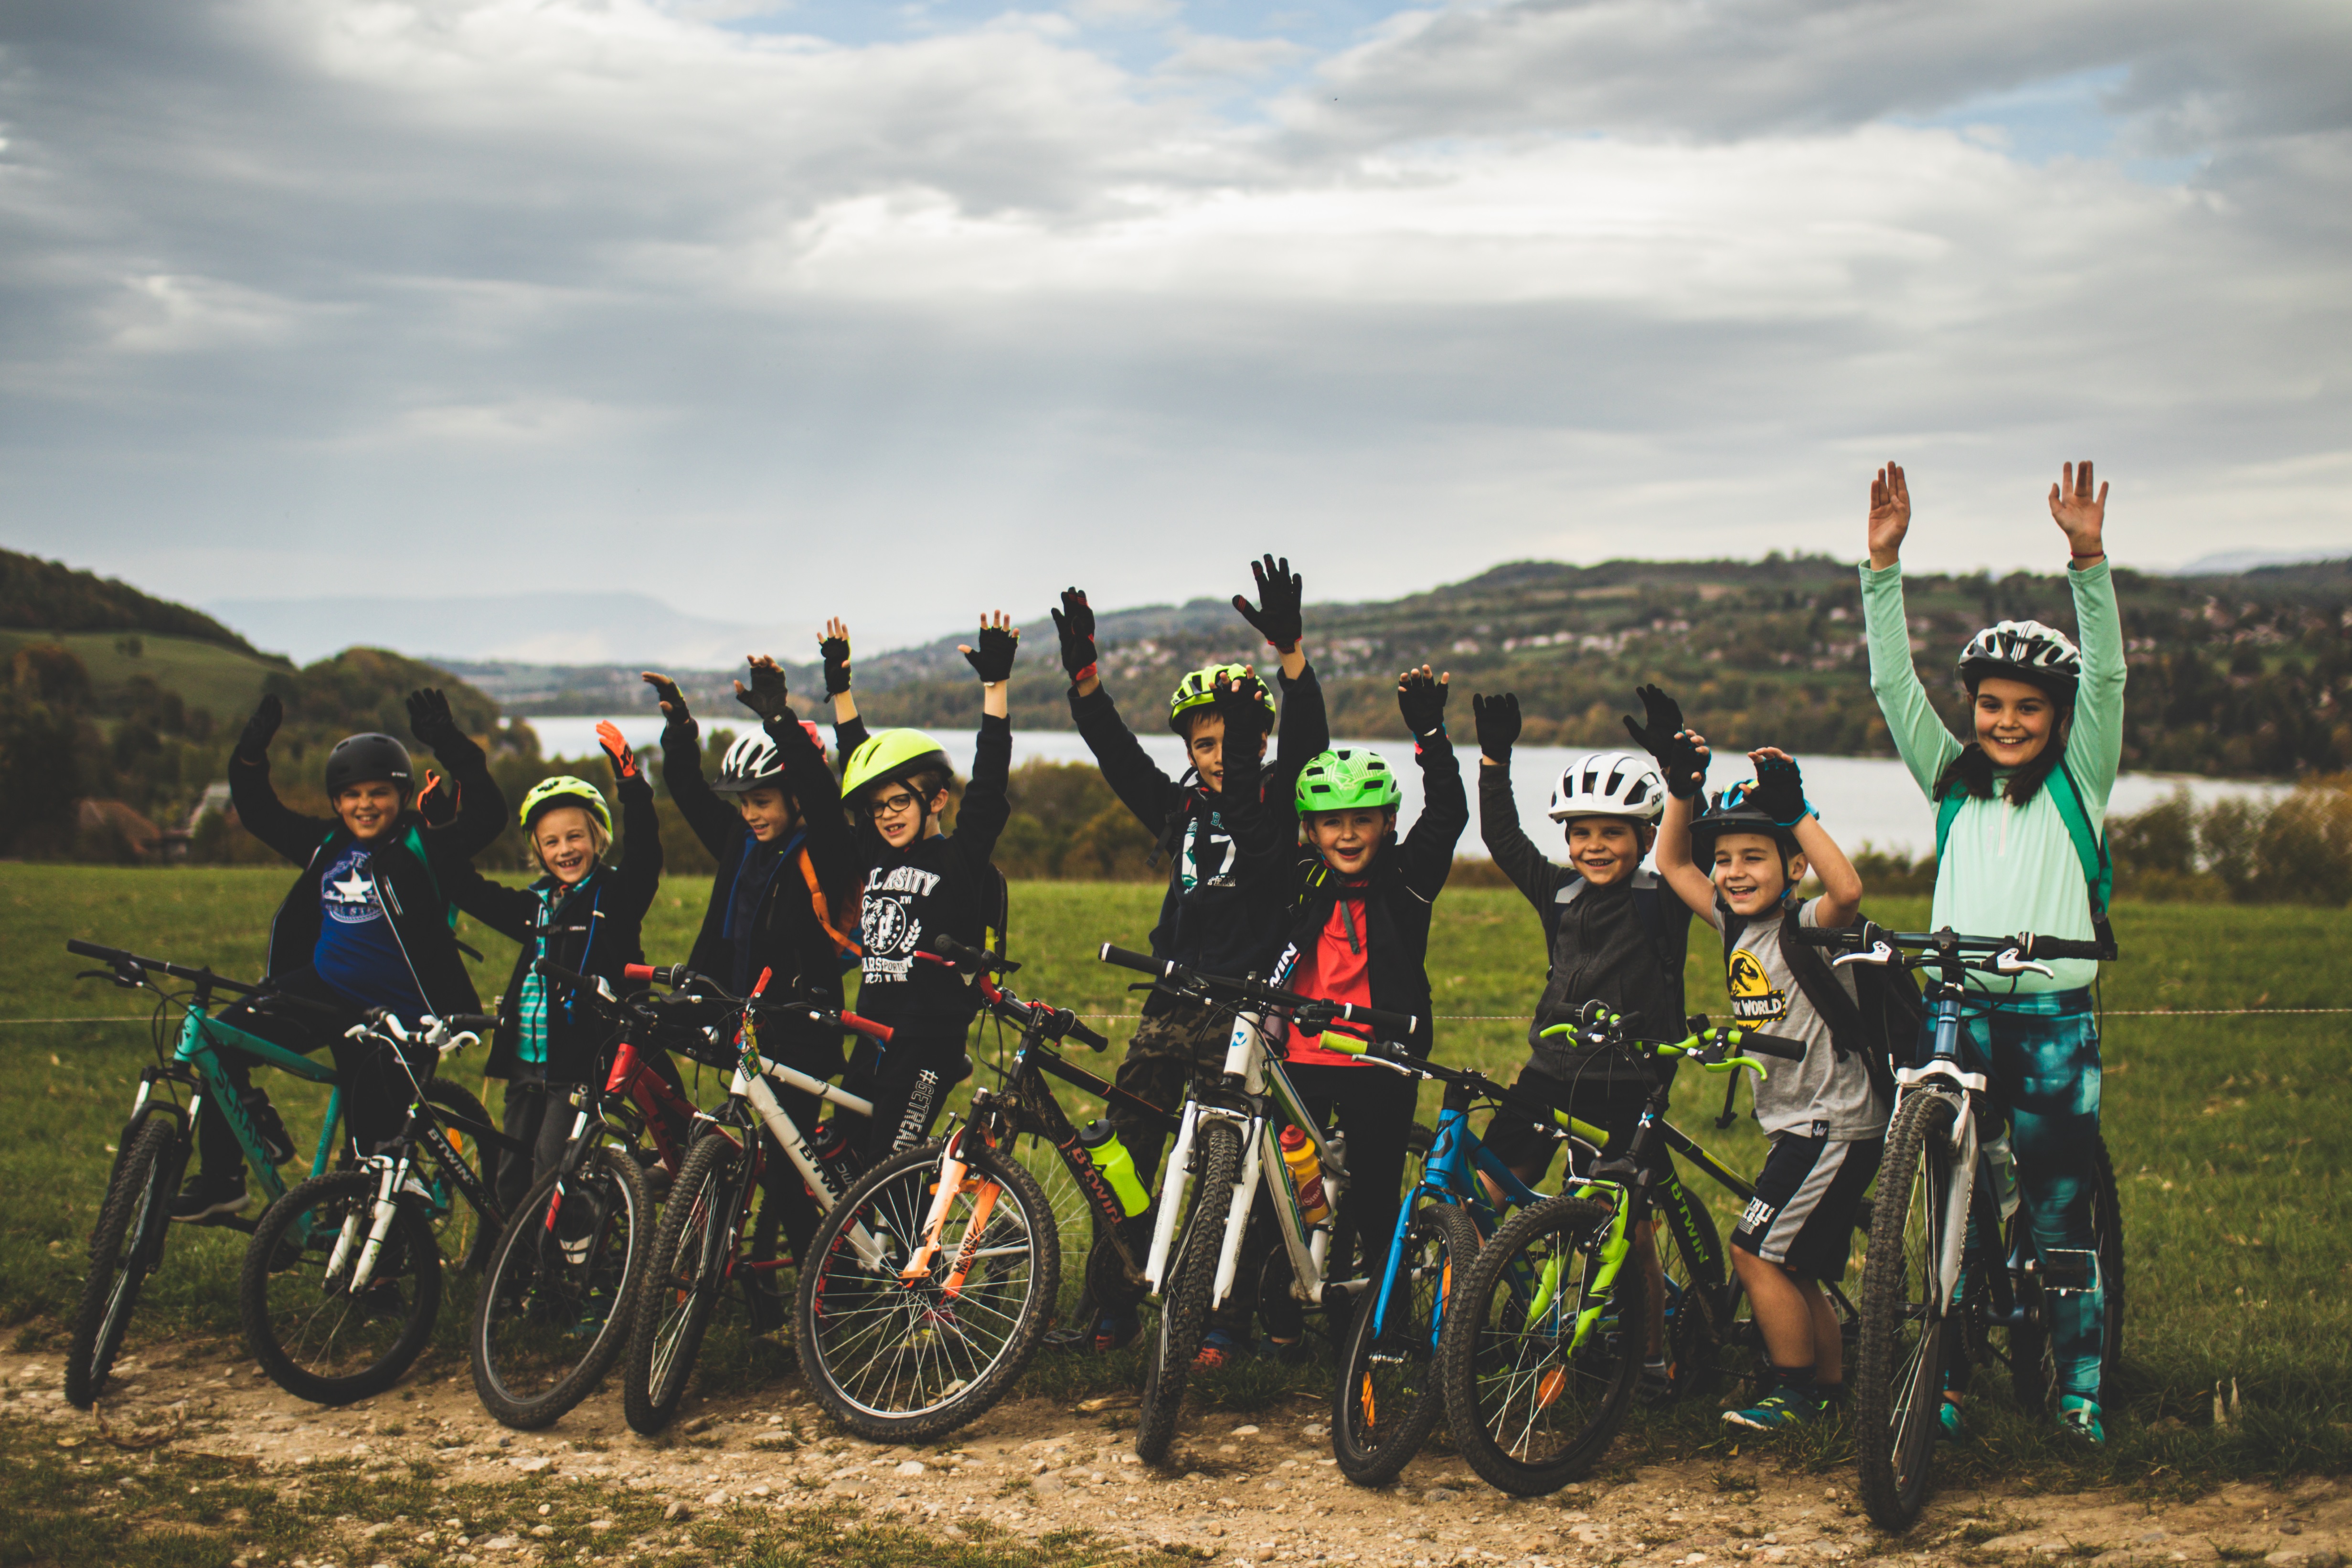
[375,1091]
[539,1116]
[908,1080]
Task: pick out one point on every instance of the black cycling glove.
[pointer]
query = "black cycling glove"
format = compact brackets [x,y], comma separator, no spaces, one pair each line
[673,706]
[1242,705]
[1779,792]
[1421,697]
[769,695]
[253,744]
[1278,614]
[835,651]
[1497,719]
[430,719]
[993,658]
[1680,756]
[1076,623]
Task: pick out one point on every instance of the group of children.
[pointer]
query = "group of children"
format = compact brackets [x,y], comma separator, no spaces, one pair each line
[1292,867]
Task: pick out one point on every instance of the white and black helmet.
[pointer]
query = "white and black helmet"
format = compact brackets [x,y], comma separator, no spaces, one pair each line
[2024,650]
[1610,784]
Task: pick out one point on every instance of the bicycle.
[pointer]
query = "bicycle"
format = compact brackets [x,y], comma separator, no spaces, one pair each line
[1930,1230]
[932,1283]
[1227,1137]
[1545,1346]
[342,1281]
[696,1249]
[554,1310]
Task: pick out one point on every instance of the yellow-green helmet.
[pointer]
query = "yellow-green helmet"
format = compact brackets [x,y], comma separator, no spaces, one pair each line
[564,790]
[892,755]
[1199,689]
[1348,780]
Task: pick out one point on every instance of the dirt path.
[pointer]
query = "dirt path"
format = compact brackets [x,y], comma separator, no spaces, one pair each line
[1250,1489]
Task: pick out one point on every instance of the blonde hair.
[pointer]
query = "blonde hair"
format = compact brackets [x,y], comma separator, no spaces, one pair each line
[598,839]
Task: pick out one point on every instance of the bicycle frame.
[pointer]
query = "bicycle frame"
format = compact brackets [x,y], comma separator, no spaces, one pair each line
[1456,1156]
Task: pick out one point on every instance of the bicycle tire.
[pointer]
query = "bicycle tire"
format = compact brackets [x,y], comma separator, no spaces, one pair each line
[296,1322]
[1899,1370]
[464,1242]
[1387,1399]
[123,1250]
[1503,1350]
[885,1357]
[1695,1342]
[684,1273]
[1191,1279]
[2032,1368]
[544,1286]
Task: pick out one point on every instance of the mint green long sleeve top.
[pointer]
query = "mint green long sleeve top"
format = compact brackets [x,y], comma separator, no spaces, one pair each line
[2010,868]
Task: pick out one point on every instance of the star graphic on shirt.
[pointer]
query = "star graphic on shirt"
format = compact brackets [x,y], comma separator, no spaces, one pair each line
[353,888]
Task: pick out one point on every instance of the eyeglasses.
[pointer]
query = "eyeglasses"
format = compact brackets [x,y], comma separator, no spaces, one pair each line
[892,805]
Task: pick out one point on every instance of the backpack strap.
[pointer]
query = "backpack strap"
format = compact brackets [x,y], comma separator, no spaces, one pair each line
[1850,1031]
[842,944]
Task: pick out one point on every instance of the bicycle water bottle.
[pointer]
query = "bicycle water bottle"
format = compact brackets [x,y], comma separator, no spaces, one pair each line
[1114,1165]
[832,1146]
[1306,1176]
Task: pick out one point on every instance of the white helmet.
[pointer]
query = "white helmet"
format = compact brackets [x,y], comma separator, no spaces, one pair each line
[2024,650]
[1610,784]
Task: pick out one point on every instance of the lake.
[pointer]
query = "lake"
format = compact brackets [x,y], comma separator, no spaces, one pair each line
[1861,800]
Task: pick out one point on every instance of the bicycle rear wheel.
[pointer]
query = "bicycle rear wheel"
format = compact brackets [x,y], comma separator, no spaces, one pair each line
[2033,1359]
[127,1245]
[319,1336]
[554,1308]
[1388,1399]
[1537,1371]
[1191,1279]
[693,1251]
[1899,1385]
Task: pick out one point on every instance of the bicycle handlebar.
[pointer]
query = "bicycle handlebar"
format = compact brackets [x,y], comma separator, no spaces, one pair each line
[548,969]
[1311,1009]
[119,959]
[1765,1045]
[1925,945]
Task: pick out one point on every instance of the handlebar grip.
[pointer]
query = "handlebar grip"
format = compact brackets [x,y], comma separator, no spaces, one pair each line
[82,949]
[1088,1037]
[1143,961]
[548,969]
[637,972]
[2058,947]
[474,1022]
[867,1027]
[1772,1045]
[1396,1026]
[946,946]
[1830,936]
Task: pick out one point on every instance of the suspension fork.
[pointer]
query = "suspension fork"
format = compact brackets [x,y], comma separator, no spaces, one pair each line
[1237,1211]
[1174,1177]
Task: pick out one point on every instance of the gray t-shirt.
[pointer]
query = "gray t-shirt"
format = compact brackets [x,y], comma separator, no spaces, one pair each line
[1822,1096]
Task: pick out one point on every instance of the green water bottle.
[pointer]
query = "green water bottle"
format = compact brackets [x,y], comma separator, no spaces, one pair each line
[1115,1164]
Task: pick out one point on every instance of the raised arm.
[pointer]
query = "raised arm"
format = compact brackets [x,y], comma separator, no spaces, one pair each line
[1536,877]
[638,876]
[1779,793]
[715,824]
[1277,615]
[832,850]
[1428,846]
[1926,747]
[2095,745]
[1681,754]
[481,805]
[258,809]
[985,809]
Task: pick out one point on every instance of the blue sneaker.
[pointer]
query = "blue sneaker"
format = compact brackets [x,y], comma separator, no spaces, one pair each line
[2081,1417]
[1950,1428]
[1776,1410]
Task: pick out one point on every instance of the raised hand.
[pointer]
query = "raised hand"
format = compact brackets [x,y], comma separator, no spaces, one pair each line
[1000,639]
[1277,616]
[1890,515]
[1681,754]
[1074,621]
[834,648]
[1779,792]
[673,702]
[1421,697]
[616,748]
[253,744]
[1244,704]
[2081,514]
[768,696]
[1497,719]
[430,719]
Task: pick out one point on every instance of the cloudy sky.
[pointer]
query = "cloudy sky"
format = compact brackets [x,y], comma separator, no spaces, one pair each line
[771,310]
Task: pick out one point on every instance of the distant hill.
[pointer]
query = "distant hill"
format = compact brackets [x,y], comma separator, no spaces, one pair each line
[49,595]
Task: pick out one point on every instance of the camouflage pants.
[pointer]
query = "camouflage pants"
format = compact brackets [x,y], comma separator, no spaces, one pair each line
[1160,1061]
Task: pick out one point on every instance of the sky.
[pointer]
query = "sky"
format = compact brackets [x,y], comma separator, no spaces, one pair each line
[778,310]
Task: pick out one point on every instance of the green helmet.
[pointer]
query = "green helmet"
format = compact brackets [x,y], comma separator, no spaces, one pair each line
[1199,689]
[892,755]
[1348,780]
[564,790]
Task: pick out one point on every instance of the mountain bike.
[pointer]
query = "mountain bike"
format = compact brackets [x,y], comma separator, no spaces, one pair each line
[1227,1144]
[341,1282]
[929,1289]
[1544,1344]
[134,1221]
[562,1280]
[699,1246]
[1938,1216]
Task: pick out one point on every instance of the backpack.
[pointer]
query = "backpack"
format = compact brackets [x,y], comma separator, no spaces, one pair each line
[1669,939]
[1881,1021]
[2090,845]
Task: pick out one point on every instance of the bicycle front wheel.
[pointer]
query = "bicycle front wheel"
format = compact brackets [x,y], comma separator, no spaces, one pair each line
[1191,1279]
[1898,1389]
[1537,1367]
[554,1313]
[693,1251]
[320,1333]
[127,1245]
[907,1333]
[1388,1397]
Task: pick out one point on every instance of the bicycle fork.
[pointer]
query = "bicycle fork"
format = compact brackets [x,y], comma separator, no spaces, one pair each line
[392,1175]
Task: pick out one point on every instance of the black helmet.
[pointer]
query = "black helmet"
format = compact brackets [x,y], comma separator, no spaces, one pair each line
[1729,812]
[360,758]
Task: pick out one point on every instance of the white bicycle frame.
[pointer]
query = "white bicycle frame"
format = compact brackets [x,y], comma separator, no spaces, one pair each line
[1308,1245]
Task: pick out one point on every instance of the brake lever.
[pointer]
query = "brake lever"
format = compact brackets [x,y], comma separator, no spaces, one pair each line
[128,982]
[2007,963]
[1880,952]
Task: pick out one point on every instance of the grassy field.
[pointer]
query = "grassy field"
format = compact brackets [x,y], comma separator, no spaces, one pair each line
[224,679]
[2230,1135]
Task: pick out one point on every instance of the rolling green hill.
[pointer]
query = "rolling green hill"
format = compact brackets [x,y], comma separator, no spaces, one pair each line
[51,597]
[224,681]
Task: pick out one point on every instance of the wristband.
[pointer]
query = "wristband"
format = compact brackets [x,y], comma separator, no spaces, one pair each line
[1800,816]
[1088,673]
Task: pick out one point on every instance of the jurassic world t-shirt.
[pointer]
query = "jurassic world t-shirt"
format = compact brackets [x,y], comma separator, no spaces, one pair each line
[1822,1096]
[357,952]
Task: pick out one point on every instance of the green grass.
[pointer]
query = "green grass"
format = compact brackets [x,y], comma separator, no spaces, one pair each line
[205,675]
[2230,1136]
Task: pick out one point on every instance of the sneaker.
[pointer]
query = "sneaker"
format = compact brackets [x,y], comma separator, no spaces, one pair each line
[2081,1417]
[1219,1350]
[205,1198]
[1776,1409]
[276,1141]
[1657,1383]
[1950,1426]
[1114,1331]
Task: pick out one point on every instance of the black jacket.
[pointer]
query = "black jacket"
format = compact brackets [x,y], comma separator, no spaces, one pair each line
[1623,946]
[944,883]
[786,934]
[1399,895]
[598,928]
[1228,895]
[412,869]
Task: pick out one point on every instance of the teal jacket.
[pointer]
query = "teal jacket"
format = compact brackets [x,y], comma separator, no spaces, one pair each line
[2010,868]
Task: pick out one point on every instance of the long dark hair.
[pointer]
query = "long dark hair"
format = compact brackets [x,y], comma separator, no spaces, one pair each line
[1971,771]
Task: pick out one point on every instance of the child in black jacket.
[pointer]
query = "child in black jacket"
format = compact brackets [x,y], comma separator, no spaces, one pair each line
[584,914]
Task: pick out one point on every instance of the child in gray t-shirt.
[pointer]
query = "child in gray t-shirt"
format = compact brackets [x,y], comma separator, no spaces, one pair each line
[1738,865]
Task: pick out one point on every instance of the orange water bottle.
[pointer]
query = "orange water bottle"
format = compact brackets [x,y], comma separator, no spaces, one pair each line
[1306,1176]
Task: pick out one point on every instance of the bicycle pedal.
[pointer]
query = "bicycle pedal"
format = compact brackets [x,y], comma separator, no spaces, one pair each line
[2069,1272]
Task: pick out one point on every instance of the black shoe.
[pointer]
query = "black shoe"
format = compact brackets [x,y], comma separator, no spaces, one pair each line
[205,1197]
[276,1141]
